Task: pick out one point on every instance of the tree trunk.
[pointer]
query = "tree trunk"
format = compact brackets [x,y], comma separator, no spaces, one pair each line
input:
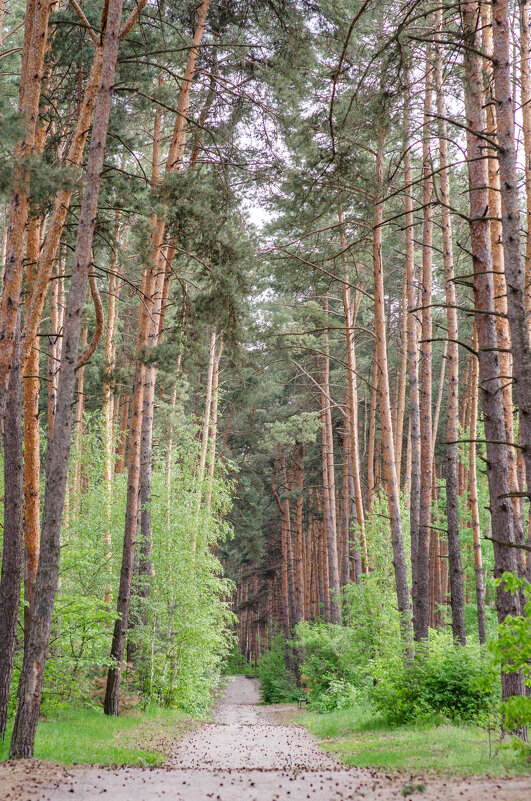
[344,540]
[413,462]
[36,646]
[205,437]
[371,482]
[473,501]
[112,692]
[514,269]
[402,384]
[13,532]
[329,483]
[352,391]
[79,468]
[214,424]
[525,106]
[288,486]
[284,580]
[122,435]
[107,411]
[298,563]
[399,560]
[500,286]
[452,419]
[489,368]
[54,347]
[421,575]
[32,70]
[32,450]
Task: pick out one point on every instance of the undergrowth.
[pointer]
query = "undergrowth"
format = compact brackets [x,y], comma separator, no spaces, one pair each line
[87,736]
[362,738]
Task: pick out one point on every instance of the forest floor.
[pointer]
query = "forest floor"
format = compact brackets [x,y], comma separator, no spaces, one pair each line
[247,753]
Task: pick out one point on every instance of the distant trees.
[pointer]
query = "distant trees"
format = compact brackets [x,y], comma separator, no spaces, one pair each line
[415,254]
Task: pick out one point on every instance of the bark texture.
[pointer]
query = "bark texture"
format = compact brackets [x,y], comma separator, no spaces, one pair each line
[399,560]
[36,646]
[13,523]
[452,417]
[489,367]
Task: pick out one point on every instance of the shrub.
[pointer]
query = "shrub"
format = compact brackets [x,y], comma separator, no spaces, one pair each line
[277,683]
[332,667]
[444,678]
[512,650]
[237,664]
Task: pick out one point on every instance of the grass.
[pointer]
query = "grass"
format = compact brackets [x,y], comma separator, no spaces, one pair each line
[362,739]
[87,736]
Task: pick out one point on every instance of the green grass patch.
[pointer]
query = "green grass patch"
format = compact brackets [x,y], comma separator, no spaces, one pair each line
[362,739]
[87,736]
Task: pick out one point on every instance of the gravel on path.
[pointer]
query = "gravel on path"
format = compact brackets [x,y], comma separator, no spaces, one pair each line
[249,754]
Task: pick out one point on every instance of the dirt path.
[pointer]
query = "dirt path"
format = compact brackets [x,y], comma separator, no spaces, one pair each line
[248,754]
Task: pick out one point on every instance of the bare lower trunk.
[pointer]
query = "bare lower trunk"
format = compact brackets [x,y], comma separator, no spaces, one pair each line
[13,520]
[329,483]
[107,413]
[79,468]
[286,506]
[371,483]
[122,434]
[214,424]
[413,462]
[399,560]
[402,384]
[474,506]
[205,436]
[352,397]
[452,417]
[421,574]
[32,451]
[284,577]
[299,537]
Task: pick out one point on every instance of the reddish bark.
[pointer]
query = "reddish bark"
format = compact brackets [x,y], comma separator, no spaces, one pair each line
[489,367]
[36,646]
[32,71]
[452,417]
[399,561]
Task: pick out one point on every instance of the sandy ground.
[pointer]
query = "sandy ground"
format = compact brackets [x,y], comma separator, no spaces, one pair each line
[246,754]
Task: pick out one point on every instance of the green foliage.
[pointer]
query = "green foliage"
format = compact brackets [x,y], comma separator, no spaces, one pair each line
[333,668]
[512,650]
[183,630]
[442,679]
[187,629]
[277,684]
[236,664]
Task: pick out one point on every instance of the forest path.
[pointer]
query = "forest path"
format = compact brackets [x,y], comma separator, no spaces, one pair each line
[248,753]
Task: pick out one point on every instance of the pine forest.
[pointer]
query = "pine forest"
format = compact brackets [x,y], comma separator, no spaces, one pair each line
[265,389]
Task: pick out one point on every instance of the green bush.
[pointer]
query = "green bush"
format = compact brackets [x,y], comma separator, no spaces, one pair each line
[512,650]
[333,668]
[443,679]
[277,683]
[236,664]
